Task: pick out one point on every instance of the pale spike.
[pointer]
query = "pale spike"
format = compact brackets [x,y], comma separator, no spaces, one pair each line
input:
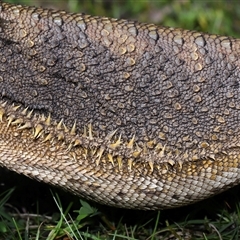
[65,128]
[99,155]
[136,154]
[25,126]
[166,166]
[2,112]
[4,103]
[59,126]
[74,156]
[159,146]
[48,137]
[77,142]
[73,130]
[144,149]
[111,134]
[24,111]
[48,120]
[161,154]
[151,166]
[171,162]
[84,132]
[150,144]
[10,119]
[180,163]
[212,156]
[17,121]
[119,159]
[110,158]
[90,131]
[130,144]
[117,143]
[85,154]
[69,147]
[138,148]
[130,162]
[93,151]
[60,136]
[43,118]
[29,114]
[15,108]
[38,130]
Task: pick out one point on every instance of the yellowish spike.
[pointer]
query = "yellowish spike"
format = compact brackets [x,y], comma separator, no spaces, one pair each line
[158,146]
[84,132]
[24,111]
[161,154]
[166,166]
[10,120]
[110,158]
[130,162]
[17,121]
[73,130]
[65,128]
[77,142]
[212,156]
[171,162]
[25,126]
[180,163]
[60,136]
[130,144]
[4,104]
[150,163]
[145,149]
[93,151]
[150,144]
[69,147]
[29,115]
[38,130]
[136,154]
[48,120]
[85,154]
[2,112]
[138,148]
[99,155]
[74,156]
[43,118]
[90,131]
[48,137]
[119,160]
[117,143]
[110,135]
[15,108]
[59,126]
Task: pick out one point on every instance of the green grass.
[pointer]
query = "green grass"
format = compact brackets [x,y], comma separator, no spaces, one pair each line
[34,213]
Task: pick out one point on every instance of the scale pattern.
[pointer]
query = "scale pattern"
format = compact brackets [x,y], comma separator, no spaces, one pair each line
[128,114]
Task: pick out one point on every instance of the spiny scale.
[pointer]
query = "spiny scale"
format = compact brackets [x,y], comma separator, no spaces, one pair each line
[41,129]
[127,114]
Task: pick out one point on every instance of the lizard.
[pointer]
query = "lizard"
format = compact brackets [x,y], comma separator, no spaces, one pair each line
[128,114]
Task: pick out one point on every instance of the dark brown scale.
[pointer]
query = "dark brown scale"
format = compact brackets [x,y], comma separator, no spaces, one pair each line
[172,88]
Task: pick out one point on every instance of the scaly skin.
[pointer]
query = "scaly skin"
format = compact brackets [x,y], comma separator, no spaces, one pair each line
[127,114]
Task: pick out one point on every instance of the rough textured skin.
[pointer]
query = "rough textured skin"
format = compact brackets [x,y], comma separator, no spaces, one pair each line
[127,114]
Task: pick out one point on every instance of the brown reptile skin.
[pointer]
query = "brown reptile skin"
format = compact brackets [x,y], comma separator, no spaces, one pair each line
[126,114]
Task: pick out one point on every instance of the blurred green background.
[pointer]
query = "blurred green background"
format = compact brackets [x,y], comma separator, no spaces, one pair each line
[218,17]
